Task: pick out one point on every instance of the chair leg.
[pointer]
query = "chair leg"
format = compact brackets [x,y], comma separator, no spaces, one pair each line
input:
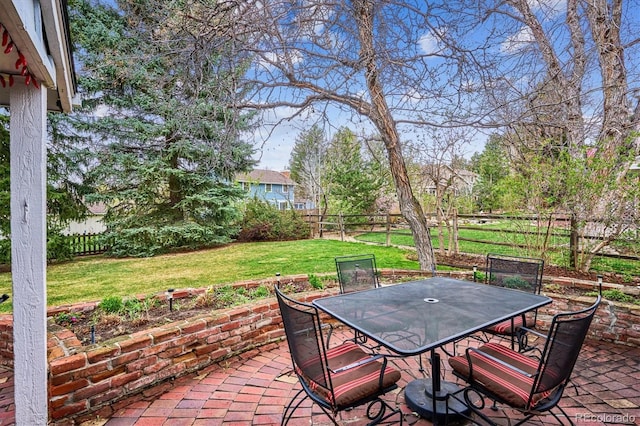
[564,414]
[379,416]
[477,410]
[291,408]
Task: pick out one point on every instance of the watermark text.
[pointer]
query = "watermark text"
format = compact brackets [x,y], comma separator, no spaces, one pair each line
[606,418]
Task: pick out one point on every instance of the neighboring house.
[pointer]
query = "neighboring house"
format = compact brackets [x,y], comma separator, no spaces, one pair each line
[92,224]
[304,204]
[269,185]
[459,181]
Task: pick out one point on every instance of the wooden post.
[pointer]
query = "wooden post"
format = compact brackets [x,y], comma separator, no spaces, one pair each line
[341,225]
[574,242]
[29,252]
[456,246]
[388,229]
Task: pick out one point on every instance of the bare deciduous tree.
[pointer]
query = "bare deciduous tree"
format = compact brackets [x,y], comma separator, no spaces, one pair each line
[517,65]
[555,77]
[362,56]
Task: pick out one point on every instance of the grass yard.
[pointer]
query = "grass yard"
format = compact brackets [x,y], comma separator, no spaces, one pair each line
[558,257]
[93,279]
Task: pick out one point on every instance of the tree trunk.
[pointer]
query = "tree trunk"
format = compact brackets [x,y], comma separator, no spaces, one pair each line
[573,243]
[381,116]
[440,221]
[605,19]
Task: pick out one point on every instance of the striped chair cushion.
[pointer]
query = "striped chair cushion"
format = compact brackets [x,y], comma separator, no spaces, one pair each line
[356,383]
[511,386]
[505,327]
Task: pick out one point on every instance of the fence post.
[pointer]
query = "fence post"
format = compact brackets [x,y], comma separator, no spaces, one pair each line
[341,225]
[388,229]
[456,244]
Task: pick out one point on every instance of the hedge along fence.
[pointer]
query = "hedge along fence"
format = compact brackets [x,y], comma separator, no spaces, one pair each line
[90,381]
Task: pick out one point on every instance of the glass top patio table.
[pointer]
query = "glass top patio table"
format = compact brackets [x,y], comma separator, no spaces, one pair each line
[418,316]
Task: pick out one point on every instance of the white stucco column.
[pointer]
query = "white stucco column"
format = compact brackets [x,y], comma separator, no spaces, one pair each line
[28,252]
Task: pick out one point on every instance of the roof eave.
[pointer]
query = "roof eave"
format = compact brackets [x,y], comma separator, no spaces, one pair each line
[51,64]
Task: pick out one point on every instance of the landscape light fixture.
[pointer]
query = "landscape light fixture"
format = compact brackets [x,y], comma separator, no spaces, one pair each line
[170,298]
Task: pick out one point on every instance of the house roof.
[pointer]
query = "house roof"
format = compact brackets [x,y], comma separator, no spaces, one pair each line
[265,176]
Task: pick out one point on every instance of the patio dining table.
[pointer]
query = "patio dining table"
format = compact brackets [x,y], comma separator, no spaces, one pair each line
[432,312]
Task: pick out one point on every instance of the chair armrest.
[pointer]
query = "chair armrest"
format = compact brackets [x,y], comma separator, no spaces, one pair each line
[499,361]
[357,364]
[537,333]
[327,326]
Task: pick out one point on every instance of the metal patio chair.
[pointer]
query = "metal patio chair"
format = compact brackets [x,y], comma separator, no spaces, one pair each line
[336,379]
[530,385]
[519,273]
[357,272]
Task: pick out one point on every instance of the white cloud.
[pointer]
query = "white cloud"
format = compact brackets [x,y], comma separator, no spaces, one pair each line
[276,136]
[429,44]
[269,58]
[518,41]
[413,97]
[550,8]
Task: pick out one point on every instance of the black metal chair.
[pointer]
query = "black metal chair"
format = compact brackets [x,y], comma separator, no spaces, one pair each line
[357,272]
[530,385]
[338,378]
[520,273]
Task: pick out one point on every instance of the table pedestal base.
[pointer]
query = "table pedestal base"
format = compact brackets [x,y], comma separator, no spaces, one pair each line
[418,395]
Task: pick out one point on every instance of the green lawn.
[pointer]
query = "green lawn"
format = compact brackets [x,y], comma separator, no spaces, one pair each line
[557,256]
[92,279]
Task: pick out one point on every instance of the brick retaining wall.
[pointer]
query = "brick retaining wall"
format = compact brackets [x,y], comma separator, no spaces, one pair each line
[86,382]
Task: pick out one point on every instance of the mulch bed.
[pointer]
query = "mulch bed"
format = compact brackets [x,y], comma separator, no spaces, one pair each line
[467,261]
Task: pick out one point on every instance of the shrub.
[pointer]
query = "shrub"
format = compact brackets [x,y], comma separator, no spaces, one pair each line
[517,283]
[133,308]
[58,246]
[618,296]
[615,295]
[206,299]
[260,292]
[315,282]
[111,305]
[68,318]
[145,241]
[480,276]
[262,221]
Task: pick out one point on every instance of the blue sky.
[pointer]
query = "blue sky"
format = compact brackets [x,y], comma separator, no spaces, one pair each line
[276,143]
[510,41]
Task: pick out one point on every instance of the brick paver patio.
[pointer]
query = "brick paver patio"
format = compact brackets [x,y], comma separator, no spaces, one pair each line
[253,389]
